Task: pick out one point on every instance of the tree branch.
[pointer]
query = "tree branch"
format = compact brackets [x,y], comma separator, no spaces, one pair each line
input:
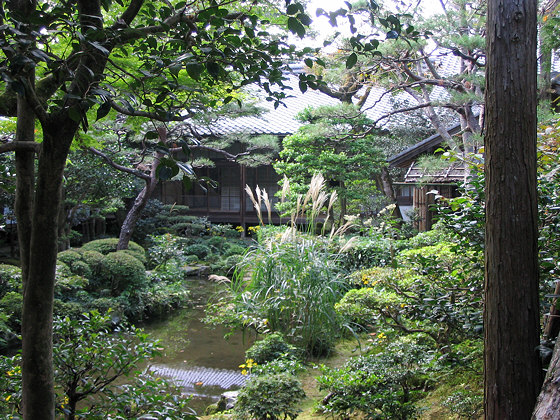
[150,115]
[24,146]
[111,162]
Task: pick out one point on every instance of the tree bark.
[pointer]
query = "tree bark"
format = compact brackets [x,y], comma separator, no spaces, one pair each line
[38,296]
[511,314]
[127,228]
[548,401]
[129,224]
[387,187]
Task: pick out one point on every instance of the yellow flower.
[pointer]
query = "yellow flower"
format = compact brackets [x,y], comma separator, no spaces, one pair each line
[243,366]
[244,372]
[8,397]
[402,305]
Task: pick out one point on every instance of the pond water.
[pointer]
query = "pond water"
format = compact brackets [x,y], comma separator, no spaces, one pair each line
[195,355]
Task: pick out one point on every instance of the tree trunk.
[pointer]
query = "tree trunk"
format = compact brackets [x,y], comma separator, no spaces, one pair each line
[548,402]
[386,184]
[511,312]
[38,296]
[129,224]
[127,228]
[25,182]
[552,325]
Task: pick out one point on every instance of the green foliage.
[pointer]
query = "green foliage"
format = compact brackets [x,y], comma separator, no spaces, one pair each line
[435,291]
[10,279]
[107,245]
[465,404]
[94,260]
[81,268]
[368,251]
[464,215]
[158,218]
[164,296]
[10,304]
[272,347]
[200,250]
[292,288]
[377,386]
[90,356]
[325,145]
[234,249]
[121,271]
[269,397]
[164,248]
[289,281]
[69,256]
[93,189]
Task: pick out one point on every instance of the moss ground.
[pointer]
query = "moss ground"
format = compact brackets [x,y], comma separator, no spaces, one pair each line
[431,405]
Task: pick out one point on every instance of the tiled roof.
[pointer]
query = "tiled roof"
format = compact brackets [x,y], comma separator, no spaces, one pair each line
[282,121]
[455,172]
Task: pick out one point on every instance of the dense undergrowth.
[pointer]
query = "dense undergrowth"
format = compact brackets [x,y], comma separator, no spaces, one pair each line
[411,303]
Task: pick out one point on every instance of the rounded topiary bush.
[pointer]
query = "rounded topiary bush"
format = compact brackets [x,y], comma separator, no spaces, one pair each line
[271,347]
[122,271]
[69,256]
[216,242]
[107,245]
[81,268]
[11,304]
[270,397]
[62,270]
[105,305]
[141,256]
[72,310]
[234,249]
[200,250]
[10,279]
[94,260]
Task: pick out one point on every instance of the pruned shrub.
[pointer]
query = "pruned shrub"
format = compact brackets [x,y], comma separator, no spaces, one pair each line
[71,283]
[200,250]
[105,305]
[81,268]
[62,270]
[10,279]
[216,242]
[94,260]
[269,397]
[234,249]
[381,386]
[69,256]
[11,304]
[122,271]
[108,245]
[271,347]
[69,309]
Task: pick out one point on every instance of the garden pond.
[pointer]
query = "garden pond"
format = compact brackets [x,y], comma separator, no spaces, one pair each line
[197,356]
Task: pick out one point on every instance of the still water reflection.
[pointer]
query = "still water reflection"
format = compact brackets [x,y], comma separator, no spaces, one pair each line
[196,355]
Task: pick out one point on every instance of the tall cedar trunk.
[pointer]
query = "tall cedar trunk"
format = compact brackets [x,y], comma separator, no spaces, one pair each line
[511,315]
[37,317]
[548,402]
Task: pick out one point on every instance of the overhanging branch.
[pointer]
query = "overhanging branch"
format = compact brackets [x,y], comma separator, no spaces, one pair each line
[20,146]
[112,163]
